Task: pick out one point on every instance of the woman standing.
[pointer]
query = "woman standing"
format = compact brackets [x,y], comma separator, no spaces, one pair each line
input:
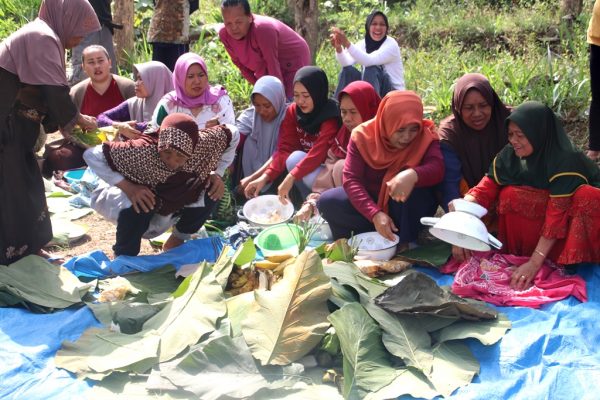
[35,91]
[393,162]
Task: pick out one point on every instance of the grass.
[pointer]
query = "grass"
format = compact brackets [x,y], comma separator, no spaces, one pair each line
[522,46]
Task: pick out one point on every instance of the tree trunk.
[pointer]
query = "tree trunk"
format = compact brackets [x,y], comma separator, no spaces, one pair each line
[123,13]
[306,17]
[571,8]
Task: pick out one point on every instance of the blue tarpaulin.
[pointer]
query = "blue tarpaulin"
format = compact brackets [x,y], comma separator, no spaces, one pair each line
[550,353]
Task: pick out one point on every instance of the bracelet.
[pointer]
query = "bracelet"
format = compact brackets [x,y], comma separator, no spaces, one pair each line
[540,253]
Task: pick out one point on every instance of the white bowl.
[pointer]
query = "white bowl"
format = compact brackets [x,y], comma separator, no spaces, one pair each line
[463,230]
[373,246]
[267,210]
[469,207]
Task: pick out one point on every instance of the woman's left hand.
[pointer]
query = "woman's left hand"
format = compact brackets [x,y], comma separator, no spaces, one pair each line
[523,276]
[284,189]
[402,184]
[86,122]
[215,186]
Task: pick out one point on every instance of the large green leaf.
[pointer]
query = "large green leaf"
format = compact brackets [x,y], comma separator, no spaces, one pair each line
[366,364]
[99,351]
[194,313]
[237,310]
[408,382]
[285,323]
[348,274]
[245,253]
[454,366]
[487,332]
[223,367]
[53,287]
[223,266]
[402,337]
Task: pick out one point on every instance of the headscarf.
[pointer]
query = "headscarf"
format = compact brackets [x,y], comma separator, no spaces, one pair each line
[158,81]
[366,100]
[36,52]
[138,160]
[555,164]
[317,85]
[397,109]
[370,44]
[211,94]
[475,149]
[262,140]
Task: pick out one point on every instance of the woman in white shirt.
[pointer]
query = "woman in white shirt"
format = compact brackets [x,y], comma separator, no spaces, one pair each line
[378,54]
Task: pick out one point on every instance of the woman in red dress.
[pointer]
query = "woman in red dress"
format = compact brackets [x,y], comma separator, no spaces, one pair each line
[547,193]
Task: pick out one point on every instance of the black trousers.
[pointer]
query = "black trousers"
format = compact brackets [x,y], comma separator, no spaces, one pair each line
[131,226]
[168,53]
[594,121]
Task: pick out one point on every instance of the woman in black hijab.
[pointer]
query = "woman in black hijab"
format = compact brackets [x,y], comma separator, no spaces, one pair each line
[378,54]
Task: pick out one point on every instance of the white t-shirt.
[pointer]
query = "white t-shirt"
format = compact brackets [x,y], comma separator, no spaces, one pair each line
[388,56]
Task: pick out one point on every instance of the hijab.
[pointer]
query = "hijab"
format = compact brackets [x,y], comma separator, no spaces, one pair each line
[475,149]
[158,81]
[36,52]
[555,163]
[316,83]
[366,100]
[138,160]
[397,109]
[211,94]
[262,140]
[370,44]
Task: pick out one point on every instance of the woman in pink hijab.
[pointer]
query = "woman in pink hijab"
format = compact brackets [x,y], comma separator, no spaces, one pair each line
[35,92]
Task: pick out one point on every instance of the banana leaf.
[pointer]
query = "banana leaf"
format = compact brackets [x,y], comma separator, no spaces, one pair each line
[285,323]
[487,332]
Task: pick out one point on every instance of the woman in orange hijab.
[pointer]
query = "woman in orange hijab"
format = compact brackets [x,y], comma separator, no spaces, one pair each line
[393,163]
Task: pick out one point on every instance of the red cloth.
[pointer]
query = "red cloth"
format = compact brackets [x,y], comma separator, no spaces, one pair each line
[292,138]
[486,276]
[95,104]
[525,213]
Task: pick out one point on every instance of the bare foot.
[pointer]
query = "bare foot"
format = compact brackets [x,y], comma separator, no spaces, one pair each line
[593,154]
[172,242]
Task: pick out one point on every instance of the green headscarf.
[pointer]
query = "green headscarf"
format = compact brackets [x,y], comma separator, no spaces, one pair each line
[555,163]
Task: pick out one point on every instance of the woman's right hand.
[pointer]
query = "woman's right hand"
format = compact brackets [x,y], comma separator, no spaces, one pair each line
[127,129]
[460,254]
[253,188]
[384,225]
[141,197]
[86,122]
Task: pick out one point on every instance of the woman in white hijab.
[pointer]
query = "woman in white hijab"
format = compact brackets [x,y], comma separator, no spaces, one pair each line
[152,81]
[259,125]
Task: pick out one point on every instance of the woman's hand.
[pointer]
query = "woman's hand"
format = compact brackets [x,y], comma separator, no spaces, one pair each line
[86,122]
[284,189]
[127,129]
[460,254]
[384,225]
[523,276]
[401,185]
[141,197]
[340,37]
[253,188]
[215,186]
[304,213]
[333,39]
[211,123]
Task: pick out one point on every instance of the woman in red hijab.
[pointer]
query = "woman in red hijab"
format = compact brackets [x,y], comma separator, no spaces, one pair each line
[35,92]
[393,162]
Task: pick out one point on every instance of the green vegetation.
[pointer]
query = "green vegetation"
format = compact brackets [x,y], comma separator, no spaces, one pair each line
[523,46]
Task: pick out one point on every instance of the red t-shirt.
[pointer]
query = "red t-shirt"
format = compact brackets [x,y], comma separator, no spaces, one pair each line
[94,104]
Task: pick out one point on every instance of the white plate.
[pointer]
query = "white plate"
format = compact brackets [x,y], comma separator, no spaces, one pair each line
[372,241]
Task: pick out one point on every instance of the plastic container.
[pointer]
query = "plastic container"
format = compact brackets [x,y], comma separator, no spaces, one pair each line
[373,246]
[279,239]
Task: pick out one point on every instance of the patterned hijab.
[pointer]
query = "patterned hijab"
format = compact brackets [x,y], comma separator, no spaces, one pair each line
[139,161]
[370,44]
[211,94]
[36,52]
[555,164]
[158,81]
[366,100]
[315,81]
[475,149]
[397,109]
[262,140]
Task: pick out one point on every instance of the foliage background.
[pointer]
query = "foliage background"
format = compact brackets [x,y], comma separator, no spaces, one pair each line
[524,47]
